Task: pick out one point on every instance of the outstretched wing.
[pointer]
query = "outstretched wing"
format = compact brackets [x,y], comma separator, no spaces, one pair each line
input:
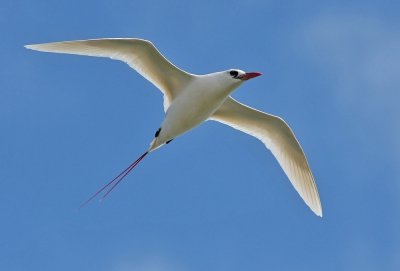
[279,138]
[139,54]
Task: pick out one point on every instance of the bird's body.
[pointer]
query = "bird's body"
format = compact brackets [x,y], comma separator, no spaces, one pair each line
[197,102]
[190,99]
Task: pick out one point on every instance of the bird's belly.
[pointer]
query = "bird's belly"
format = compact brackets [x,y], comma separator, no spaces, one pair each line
[187,112]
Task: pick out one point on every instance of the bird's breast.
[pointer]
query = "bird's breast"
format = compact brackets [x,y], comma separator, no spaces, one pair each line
[192,107]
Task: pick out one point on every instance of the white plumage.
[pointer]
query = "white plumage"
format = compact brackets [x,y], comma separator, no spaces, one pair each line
[190,99]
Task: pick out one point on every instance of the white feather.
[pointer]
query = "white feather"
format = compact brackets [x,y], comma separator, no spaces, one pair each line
[279,138]
[139,54]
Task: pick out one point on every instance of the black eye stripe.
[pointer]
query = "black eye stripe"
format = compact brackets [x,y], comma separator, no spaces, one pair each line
[233,73]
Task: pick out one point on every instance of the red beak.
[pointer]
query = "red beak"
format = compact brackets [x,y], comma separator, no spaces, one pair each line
[249,75]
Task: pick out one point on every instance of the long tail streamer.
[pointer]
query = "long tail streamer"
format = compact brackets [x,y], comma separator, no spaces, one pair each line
[114,182]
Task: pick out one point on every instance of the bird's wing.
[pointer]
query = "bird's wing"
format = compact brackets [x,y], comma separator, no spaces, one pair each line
[279,138]
[139,54]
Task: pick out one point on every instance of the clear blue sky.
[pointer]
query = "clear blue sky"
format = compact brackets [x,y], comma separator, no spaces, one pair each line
[213,199]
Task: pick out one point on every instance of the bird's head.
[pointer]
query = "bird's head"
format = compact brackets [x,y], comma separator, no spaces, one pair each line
[241,75]
[226,81]
[235,77]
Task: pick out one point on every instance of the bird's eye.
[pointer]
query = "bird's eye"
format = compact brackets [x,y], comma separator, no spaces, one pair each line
[233,73]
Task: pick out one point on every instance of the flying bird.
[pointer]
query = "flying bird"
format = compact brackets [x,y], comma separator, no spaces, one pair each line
[190,100]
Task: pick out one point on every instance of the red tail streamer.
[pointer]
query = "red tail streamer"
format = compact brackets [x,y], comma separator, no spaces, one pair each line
[117,180]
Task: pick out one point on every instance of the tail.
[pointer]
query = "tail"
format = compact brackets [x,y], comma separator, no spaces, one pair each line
[114,182]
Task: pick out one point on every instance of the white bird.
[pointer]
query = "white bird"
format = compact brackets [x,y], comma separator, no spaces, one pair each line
[191,99]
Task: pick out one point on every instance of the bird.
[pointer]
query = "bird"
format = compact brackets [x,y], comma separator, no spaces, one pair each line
[190,100]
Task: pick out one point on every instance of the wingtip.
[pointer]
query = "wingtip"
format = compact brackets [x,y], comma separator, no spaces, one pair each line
[317,211]
[30,46]
[35,47]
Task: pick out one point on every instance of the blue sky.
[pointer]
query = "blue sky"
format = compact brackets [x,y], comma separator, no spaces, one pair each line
[213,199]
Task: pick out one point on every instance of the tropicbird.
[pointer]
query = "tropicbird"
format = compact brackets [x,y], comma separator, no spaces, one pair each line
[190,100]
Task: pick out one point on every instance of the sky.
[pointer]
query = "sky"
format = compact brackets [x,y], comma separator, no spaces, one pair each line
[215,198]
